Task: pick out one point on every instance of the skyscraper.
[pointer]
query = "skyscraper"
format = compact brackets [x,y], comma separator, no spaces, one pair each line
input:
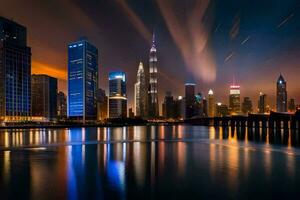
[61,105]
[153,109]
[189,100]
[221,110]
[15,72]
[234,99]
[117,95]
[44,97]
[281,95]
[82,80]
[247,105]
[140,92]
[292,106]
[102,103]
[211,104]
[168,108]
[262,103]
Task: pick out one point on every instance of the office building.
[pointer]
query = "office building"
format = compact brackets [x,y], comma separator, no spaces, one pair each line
[262,103]
[292,106]
[179,108]
[102,104]
[234,99]
[221,110]
[140,93]
[15,72]
[153,108]
[281,95]
[43,97]
[168,106]
[82,80]
[211,104]
[61,106]
[247,105]
[117,95]
[189,100]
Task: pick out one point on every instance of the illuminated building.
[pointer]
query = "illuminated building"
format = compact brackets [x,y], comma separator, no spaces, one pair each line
[168,106]
[102,102]
[43,97]
[153,109]
[117,95]
[247,106]
[198,110]
[281,95]
[292,106]
[61,105]
[189,100]
[211,104]
[140,93]
[234,99]
[179,108]
[82,80]
[262,103]
[221,110]
[15,72]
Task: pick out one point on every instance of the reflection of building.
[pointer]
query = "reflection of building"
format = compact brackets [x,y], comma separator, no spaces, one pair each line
[189,100]
[221,110]
[15,71]
[262,103]
[153,109]
[61,105]
[140,93]
[234,99]
[43,97]
[82,80]
[281,96]
[117,95]
[211,104]
[292,106]
[168,106]
[102,101]
[247,106]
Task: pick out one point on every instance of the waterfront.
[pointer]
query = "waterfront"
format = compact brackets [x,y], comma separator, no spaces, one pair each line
[154,162]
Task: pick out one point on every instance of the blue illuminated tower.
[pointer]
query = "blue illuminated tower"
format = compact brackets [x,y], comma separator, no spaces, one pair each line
[117,95]
[82,80]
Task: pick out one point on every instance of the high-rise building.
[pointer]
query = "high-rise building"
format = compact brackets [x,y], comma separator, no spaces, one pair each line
[43,97]
[82,80]
[117,100]
[179,108]
[130,113]
[140,93]
[205,107]
[153,108]
[102,103]
[61,105]
[281,95]
[292,106]
[198,110]
[15,72]
[221,110]
[247,105]
[262,103]
[211,104]
[234,99]
[168,106]
[189,100]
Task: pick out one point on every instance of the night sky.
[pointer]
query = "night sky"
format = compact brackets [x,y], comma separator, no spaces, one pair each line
[212,43]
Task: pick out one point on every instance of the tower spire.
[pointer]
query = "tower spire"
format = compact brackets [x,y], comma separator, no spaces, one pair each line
[153,39]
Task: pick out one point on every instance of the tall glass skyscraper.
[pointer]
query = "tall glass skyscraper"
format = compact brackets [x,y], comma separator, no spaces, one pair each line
[235,99]
[82,80]
[140,92]
[281,95]
[117,95]
[189,100]
[15,72]
[153,109]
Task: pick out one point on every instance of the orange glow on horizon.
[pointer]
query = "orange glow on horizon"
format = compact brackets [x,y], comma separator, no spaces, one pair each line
[42,68]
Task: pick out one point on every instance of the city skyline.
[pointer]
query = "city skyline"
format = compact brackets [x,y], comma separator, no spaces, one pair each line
[243,47]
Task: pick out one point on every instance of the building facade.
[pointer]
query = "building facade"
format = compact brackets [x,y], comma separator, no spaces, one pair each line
[15,72]
[169,106]
[281,95]
[292,105]
[140,93]
[117,95]
[211,104]
[43,97]
[82,80]
[153,107]
[262,103]
[189,99]
[247,105]
[102,104]
[234,99]
[61,105]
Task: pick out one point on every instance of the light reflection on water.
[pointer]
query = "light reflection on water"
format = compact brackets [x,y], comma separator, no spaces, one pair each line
[148,162]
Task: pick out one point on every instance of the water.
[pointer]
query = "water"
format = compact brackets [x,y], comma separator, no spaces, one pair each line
[164,162]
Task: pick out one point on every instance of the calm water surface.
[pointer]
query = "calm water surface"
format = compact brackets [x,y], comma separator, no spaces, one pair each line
[159,162]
